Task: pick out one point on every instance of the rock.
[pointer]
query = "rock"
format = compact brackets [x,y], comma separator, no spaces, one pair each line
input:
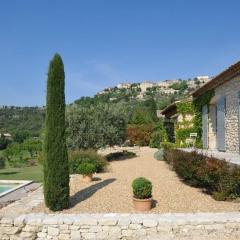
[7,221]
[86,221]
[135,226]
[150,223]
[75,235]
[52,231]
[107,222]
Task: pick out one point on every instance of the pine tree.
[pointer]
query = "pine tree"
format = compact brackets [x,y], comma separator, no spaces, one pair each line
[56,169]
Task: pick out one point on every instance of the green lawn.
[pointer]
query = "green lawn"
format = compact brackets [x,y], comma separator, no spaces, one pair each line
[27,173]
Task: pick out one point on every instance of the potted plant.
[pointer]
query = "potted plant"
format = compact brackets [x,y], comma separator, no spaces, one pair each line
[87,170]
[142,194]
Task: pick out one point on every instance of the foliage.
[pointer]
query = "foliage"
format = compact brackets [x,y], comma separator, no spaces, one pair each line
[185,107]
[181,86]
[159,135]
[76,158]
[2,162]
[182,134]
[56,168]
[198,103]
[159,154]
[3,142]
[168,145]
[142,188]
[23,154]
[86,168]
[115,156]
[217,177]
[21,122]
[94,127]
[140,134]
[156,138]
[185,127]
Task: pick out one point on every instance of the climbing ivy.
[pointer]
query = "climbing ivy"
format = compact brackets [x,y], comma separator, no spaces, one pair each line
[186,126]
[198,103]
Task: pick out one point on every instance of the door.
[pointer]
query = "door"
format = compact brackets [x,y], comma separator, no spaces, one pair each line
[205,126]
[221,107]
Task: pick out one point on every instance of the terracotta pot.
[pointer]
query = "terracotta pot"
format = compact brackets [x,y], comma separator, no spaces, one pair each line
[142,204]
[87,178]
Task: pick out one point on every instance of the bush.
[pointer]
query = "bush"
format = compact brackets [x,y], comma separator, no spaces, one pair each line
[155,140]
[23,154]
[86,156]
[216,177]
[159,155]
[120,155]
[140,134]
[142,188]
[87,168]
[168,145]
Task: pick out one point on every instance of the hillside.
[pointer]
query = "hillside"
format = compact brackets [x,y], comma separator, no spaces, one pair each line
[163,92]
[27,120]
[129,99]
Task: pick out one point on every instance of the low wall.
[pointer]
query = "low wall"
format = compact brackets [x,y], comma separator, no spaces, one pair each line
[219,226]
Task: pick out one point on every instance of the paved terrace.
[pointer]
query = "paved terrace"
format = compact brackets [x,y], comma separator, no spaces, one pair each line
[229,157]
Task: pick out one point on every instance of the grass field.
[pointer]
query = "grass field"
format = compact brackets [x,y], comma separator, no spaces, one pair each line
[27,173]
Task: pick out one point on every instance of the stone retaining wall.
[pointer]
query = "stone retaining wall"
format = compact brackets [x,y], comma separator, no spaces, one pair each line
[219,226]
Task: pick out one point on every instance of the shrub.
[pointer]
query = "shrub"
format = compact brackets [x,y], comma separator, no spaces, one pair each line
[86,156]
[168,145]
[140,134]
[159,154]
[142,188]
[120,155]
[155,140]
[216,177]
[86,168]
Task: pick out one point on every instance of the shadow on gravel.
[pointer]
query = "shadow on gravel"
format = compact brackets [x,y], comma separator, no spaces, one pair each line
[89,191]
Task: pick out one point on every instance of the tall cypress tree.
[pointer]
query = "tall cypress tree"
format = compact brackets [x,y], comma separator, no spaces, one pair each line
[56,169]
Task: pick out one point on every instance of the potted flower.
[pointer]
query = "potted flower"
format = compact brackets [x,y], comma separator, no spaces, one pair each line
[142,194]
[87,170]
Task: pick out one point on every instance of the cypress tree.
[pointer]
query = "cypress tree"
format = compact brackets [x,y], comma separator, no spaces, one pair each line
[56,169]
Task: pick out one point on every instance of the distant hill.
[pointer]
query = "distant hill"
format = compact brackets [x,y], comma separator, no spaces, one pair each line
[163,92]
[28,120]
[128,97]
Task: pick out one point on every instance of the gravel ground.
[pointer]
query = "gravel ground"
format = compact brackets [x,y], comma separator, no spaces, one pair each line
[111,191]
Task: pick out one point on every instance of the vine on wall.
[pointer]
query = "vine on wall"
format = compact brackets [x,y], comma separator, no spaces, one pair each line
[186,126]
[198,103]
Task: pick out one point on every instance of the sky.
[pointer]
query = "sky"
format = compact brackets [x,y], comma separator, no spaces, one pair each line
[105,42]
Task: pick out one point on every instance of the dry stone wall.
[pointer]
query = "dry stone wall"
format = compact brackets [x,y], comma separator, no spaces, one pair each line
[219,226]
[231,91]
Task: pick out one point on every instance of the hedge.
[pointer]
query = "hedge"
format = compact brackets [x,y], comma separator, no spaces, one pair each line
[216,177]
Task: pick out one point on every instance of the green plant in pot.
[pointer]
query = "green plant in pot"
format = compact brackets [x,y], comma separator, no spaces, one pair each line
[87,170]
[142,194]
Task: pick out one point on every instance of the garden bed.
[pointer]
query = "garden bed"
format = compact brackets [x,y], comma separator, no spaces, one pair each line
[111,192]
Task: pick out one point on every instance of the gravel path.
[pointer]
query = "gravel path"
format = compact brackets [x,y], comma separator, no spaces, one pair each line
[111,191]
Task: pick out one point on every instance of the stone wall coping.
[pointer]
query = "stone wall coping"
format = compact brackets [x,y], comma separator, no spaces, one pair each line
[115,218]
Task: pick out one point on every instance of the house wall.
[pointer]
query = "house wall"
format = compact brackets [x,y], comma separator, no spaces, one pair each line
[230,90]
[212,127]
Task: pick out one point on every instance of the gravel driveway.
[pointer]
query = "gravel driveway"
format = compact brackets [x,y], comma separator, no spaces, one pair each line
[111,191]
